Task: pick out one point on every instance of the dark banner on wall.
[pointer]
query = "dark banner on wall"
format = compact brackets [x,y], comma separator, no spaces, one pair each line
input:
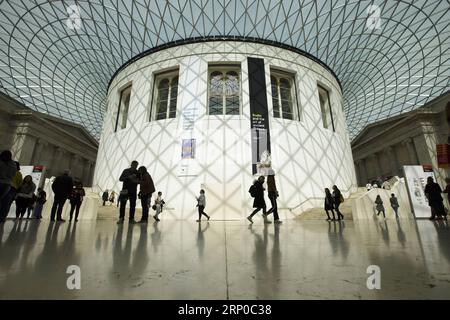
[259,114]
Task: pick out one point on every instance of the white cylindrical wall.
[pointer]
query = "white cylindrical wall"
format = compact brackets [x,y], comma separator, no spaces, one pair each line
[306,156]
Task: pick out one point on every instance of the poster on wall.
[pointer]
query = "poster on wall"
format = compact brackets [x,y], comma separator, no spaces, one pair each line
[36,173]
[416,179]
[188,149]
[259,114]
[443,153]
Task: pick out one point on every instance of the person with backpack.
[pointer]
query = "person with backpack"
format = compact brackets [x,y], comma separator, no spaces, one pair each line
[337,200]
[147,188]
[257,192]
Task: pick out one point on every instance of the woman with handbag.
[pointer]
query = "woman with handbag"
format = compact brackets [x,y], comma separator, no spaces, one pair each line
[24,196]
[337,199]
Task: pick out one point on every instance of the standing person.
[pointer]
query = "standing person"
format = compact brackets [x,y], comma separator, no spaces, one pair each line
[147,188]
[15,185]
[112,197]
[329,204]
[257,192]
[41,198]
[62,188]
[24,196]
[368,186]
[130,179]
[31,205]
[273,195]
[159,202]
[433,193]
[394,204]
[337,200]
[380,206]
[76,199]
[7,172]
[201,204]
[105,197]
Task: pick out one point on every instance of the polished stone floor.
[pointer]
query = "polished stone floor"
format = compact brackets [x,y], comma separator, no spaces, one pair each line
[225,260]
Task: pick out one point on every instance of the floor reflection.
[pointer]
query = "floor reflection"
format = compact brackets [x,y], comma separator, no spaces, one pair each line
[219,260]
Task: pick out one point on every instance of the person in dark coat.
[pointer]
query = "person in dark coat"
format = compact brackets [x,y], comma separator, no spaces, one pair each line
[105,196]
[273,195]
[329,204]
[337,199]
[433,193]
[257,191]
[76,199]
[62,188]
[147,187]
[130,179]
[8,170]
[24,196]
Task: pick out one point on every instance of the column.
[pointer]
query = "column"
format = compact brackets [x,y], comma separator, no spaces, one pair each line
[390,152]
[76,167]
[365,173]
[55,166]
[377,169]
[86,172]
[37,153]
[411,151]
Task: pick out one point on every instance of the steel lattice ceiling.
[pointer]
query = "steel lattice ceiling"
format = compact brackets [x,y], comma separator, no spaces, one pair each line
[65,71]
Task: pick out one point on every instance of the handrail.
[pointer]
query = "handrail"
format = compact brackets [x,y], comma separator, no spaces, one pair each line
[313,198]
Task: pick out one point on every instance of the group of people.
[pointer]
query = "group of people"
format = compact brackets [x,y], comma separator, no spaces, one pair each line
[131,178]
[332,202]
[380,206]
[111,197]
[22,190]
[15,187]
[257,192]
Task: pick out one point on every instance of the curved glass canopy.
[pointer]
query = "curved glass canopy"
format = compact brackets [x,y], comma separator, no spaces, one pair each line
[58,57]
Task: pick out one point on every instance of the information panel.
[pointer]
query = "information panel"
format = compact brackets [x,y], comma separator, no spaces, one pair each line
[416,179]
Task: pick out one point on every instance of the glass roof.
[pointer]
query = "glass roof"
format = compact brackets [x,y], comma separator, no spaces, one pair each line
[391,57]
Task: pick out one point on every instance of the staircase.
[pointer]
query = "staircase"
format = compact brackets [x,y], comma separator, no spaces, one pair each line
[345,208]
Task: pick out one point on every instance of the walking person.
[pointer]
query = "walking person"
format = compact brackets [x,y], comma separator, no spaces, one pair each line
[273,195]
[257,192]
[112,198]
[394,204]
[329,204]
[433,193]
[76,199]
[8,170]
[159,202]
[146,190]
[337,200]
[380,206]
[62,188]
[105,196]
[41,198]
[201,204]
[130,179]
[24,196]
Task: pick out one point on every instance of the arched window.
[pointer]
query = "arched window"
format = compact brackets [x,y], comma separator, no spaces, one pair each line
[224,90]
[166,91]
[283,96]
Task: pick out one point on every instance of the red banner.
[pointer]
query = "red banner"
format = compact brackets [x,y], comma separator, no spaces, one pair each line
[443,152]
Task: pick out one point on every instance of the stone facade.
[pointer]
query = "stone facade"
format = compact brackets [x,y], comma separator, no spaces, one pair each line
[35,138]
[384,147]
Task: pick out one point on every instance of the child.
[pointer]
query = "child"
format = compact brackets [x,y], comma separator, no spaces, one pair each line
[201,203]
[40,200]
[380,207]
[394,204]
[159,202]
